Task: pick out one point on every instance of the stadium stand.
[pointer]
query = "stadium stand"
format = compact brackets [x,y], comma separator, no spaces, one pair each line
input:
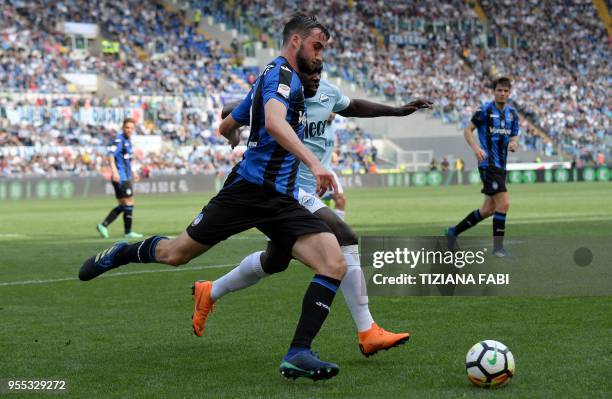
[175,77]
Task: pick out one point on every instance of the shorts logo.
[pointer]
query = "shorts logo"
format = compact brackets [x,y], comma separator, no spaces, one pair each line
[198,219]
[324,98]
[128,192]
[308,201]
[494,185]
[283,90]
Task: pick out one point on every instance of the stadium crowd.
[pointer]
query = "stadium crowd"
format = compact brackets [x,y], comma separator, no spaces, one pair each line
[405,50]
[559,58]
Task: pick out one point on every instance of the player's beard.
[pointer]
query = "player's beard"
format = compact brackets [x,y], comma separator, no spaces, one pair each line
[304,64]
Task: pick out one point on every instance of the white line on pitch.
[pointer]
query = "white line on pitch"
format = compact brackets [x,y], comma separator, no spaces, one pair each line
[59,280]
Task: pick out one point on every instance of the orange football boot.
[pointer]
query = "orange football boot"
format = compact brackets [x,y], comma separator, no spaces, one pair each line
[377,338]
[203,306]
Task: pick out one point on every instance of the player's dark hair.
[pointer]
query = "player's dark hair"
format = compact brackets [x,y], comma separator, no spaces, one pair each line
[128,120]
[302,24]
[502,81]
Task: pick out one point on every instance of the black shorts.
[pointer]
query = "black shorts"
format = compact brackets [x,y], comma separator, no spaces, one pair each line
[123,189]
[241,205]
[493,180]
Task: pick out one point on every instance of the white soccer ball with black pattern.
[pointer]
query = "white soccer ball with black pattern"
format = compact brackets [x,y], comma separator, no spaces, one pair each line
[489,364]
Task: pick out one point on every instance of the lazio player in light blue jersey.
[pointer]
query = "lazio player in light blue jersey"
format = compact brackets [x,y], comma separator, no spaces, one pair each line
[321,100]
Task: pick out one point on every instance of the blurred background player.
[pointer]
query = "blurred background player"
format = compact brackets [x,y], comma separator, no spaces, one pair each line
[322,99]
[498,129]
[120,160]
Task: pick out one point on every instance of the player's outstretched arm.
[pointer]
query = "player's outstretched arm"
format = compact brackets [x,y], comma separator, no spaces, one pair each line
[281,131]
[469,137]
[368,109]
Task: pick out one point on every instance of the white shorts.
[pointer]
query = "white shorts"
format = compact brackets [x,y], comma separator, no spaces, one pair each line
[310,201]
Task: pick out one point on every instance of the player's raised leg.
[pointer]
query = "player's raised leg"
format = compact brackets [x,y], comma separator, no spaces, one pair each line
[155,249]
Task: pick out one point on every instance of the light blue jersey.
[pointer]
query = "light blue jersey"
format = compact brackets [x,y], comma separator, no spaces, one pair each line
[318,136]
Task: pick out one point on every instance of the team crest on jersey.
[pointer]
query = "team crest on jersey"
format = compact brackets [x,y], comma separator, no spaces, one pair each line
[197,219]
[324,98]
[284,90]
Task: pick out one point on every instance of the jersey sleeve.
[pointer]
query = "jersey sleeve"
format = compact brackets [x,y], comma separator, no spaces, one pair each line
[342,101]
[277,85]
[115,147]
[477,117]
[242,113]
[515,124]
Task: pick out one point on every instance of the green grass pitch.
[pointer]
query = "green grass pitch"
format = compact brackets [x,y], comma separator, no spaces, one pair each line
[128,334]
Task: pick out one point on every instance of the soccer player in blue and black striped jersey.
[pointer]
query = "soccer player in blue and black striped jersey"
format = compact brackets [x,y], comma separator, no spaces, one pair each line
[498,128]
[120,160]
[261,192]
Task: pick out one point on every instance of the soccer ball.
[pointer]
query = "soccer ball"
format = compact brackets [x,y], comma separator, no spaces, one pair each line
[489,364]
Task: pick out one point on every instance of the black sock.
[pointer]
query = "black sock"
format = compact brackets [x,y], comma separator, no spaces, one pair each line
[140,252]
[499,228]
[470,220]
[127,218]
[315,307]
[112,215]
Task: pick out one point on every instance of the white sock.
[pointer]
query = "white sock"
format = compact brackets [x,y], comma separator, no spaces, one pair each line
[247,273]
[354,289]
[340,213]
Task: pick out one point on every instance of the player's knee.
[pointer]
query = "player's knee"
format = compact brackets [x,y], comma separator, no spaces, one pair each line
[336,267]
[487,211]
[346,236]
[274,263]
[503,207]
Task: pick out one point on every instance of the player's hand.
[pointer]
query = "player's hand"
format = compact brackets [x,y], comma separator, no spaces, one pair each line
[115,177]
[136,176]
[413,106]
[233,138]
[480,154]
[325,179]
[512,146]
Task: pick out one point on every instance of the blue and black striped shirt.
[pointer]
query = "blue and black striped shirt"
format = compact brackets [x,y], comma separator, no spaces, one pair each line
[265,162]
[495,128]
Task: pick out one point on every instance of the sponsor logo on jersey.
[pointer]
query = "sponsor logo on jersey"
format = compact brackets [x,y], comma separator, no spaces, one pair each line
[324,98]
[315,129]
[494,116]
[503,131]
[284,90]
